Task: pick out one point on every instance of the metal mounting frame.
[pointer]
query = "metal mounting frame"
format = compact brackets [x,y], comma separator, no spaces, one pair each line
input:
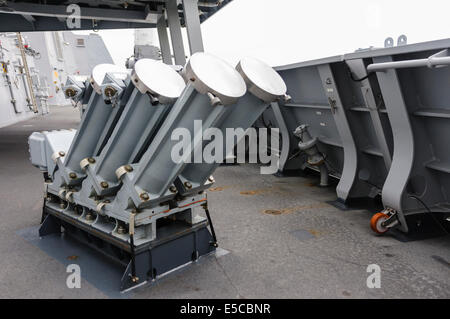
[177,245]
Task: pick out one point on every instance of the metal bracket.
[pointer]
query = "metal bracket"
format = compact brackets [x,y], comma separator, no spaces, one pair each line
[389,42]
[214,99]
[392,221]
[402,40]
[332,103]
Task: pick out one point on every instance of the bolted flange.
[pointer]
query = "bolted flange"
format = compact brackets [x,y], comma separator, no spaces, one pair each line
[101,205]
[134,278]
[110,91]
[122,170]
[72,175]
[70,92]
[121,230]
[104,184]
[188,184]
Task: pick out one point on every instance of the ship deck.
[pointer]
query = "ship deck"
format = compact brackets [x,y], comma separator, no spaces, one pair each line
[278,237]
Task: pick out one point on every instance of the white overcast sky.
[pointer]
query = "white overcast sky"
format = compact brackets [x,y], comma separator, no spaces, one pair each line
[287,31]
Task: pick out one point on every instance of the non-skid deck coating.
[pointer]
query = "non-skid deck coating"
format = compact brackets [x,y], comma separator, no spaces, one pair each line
[284,240]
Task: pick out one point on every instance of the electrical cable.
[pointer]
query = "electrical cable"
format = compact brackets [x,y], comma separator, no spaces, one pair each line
[294,155]
[372,184]
[358,80]
[429,211]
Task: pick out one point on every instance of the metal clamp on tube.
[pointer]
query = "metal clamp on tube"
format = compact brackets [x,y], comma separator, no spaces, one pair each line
[75,88]
[114,87]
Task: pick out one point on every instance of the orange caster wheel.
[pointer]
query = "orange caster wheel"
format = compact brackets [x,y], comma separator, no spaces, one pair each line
[376,223]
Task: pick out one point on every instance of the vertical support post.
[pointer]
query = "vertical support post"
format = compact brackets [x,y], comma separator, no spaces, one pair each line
[175,32]
[164,44]
[345,189]
[394,188]
[285,147]
[359,68]
[376,121]
[193,29]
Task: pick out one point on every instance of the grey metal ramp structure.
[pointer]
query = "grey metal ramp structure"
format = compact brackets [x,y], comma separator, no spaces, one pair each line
[414,81]
[344,115]
[378,118]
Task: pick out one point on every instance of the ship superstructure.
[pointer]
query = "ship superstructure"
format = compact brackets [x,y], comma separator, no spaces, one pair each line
[35,66]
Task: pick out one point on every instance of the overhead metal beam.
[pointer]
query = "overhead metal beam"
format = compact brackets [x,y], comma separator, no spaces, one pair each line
[164,38]
[175,32]
[28,16]
[60,11]
[192,23]
[17,23]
